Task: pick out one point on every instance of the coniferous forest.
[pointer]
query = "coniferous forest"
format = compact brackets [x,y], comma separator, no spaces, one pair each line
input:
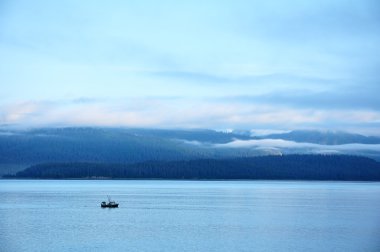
[287,167]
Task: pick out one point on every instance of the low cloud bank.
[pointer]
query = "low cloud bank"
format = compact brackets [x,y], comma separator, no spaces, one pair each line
[179,112]
[279,144]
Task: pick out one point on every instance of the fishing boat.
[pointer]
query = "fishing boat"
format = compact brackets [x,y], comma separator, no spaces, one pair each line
[110,204]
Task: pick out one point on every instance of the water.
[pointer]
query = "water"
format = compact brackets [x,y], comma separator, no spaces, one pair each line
[43,215]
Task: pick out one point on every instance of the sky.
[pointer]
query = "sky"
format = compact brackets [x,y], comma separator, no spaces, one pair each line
[265,65]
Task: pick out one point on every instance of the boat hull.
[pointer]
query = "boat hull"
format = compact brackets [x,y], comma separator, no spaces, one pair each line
[109,206]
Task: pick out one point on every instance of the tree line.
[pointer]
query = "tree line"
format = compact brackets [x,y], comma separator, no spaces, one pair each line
[287,167]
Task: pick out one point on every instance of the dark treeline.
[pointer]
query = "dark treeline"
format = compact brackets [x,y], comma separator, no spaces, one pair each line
[292,167]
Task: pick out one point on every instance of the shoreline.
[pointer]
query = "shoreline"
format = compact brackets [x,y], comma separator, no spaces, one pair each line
[193,180]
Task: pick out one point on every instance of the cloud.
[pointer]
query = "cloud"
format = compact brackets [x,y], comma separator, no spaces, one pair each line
[256,64]
[302,147]
[19,112]
[182,112]
[263,132]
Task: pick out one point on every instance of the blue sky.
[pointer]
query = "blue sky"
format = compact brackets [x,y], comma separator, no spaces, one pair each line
[200,64]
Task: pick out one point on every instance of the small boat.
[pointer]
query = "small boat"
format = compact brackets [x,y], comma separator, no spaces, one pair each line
[110,204]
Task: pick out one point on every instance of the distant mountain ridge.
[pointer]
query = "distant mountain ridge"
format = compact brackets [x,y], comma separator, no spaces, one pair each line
[22,148]
[324,137]
[112,145]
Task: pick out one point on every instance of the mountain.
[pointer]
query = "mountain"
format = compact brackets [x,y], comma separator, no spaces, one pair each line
[324,137]
[22,148]
[290,167]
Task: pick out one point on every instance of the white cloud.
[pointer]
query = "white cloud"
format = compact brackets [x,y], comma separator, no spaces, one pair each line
[263,132]
[284,144]
[17,112]
[164,112]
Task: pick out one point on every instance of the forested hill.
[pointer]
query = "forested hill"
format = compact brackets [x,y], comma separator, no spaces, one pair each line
[290,167]
[22,148]
[108,145]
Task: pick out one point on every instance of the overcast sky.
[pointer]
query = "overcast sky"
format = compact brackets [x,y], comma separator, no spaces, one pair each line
[201,64]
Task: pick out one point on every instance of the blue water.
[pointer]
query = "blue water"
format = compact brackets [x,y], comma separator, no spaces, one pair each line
[43,215]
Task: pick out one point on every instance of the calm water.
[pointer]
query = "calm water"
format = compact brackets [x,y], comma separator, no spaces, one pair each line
[42,215]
